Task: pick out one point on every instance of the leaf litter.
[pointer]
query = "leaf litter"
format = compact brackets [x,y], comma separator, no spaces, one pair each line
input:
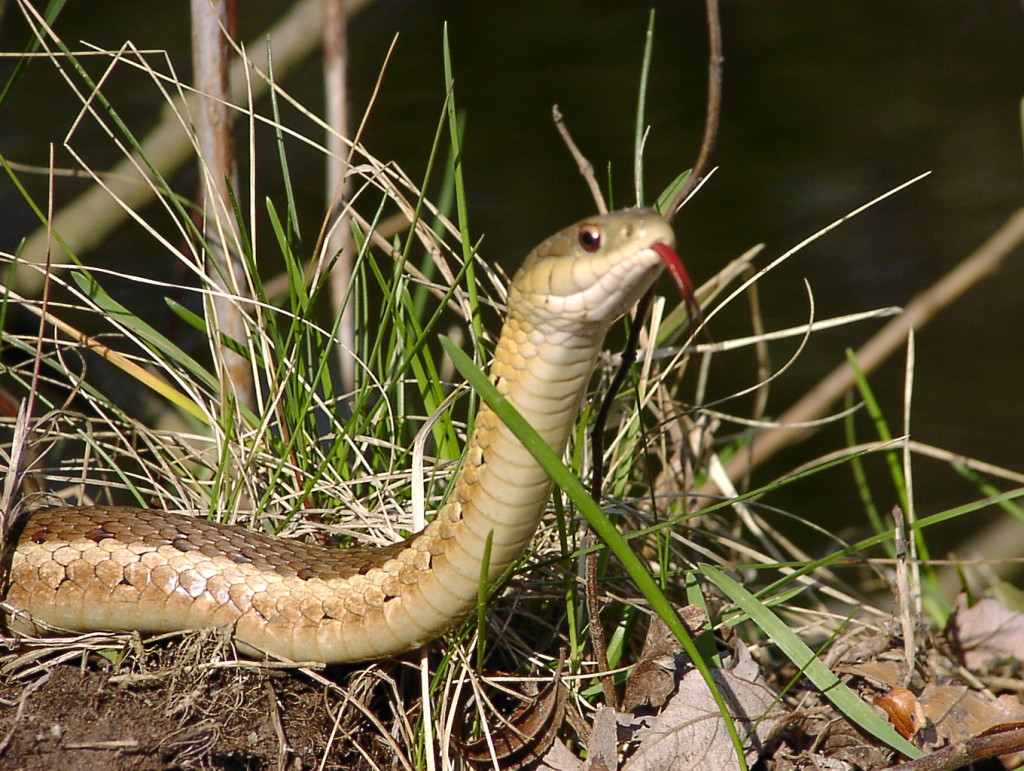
[670,720]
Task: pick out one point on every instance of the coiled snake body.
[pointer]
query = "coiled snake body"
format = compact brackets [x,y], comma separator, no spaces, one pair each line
[119,568]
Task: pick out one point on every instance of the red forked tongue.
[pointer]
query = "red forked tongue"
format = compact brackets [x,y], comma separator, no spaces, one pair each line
[680,276]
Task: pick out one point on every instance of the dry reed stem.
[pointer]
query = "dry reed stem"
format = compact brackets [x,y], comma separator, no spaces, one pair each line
[89,220]
[340,247]
[218,178]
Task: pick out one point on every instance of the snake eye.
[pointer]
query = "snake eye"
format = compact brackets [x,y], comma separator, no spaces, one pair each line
[590,238]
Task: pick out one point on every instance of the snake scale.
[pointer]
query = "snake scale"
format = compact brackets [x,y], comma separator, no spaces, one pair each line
[111,568]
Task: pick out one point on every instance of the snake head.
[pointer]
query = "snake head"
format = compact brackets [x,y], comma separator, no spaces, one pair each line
[594,271]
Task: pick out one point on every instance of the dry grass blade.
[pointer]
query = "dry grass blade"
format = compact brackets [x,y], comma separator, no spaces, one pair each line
[527,735]
[984,262]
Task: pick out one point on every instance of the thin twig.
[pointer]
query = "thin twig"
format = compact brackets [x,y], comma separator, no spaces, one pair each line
[628,359]
[594,629]
[87,221]
[339,239]
[22,457]
[596,484]
[585,166]
[218,180]
[283,748]
[714,110]
[629,352]
[904,598]
[19,713]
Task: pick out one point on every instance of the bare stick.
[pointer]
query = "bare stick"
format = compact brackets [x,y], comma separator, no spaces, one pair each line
[87,221]
[965,753]
[700,168]
[594,628]
[714,110]
[585,166]
[339,239]
[904,595]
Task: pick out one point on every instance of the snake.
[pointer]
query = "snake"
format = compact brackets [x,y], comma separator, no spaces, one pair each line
[117,568]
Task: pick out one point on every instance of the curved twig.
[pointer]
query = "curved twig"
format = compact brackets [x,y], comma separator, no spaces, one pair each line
[711,118]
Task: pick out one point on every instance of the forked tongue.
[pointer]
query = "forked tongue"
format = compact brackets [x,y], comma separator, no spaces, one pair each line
[680,276]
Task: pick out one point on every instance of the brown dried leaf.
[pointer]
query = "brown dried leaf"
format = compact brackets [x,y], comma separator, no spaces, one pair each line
[986,632]
[904,710]
[654,677]
[959,713]
[526,736]
[882,674]
[650,683]
[690,732]
[844,742]
[559,758]
[602,748]
[816,761]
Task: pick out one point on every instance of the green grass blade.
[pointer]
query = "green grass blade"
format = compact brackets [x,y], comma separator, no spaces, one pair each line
[455,135]
[860,477]
[148,334]
[834,689]
[875,540]
[892,457]
[53,9]
[668,195]
[603,526]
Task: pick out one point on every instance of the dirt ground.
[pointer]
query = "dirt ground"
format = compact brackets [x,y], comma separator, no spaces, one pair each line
[187,702]
[76,709]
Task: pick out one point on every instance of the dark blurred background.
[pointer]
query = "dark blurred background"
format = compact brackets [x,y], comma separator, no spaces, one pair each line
[827,105]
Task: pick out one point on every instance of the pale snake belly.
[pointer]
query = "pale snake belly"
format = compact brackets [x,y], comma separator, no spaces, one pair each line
[109,568]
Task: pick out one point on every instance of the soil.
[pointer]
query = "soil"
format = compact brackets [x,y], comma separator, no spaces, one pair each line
[75,709]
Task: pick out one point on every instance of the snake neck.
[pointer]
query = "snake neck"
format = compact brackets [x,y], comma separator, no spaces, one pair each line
[501,491]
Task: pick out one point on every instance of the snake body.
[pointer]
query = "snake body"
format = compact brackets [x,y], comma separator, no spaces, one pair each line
[118,568]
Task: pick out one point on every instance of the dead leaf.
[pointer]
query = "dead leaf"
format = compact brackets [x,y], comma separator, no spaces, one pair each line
[843,742]
[830,764]
[526,736]
[985,632]
[690,732]
[959,713]
[904,710]
[559,758]
[602,749]
[805,762]
[654,677]
[881,674]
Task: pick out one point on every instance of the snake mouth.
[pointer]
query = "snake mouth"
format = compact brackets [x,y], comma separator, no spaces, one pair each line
[680,276]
